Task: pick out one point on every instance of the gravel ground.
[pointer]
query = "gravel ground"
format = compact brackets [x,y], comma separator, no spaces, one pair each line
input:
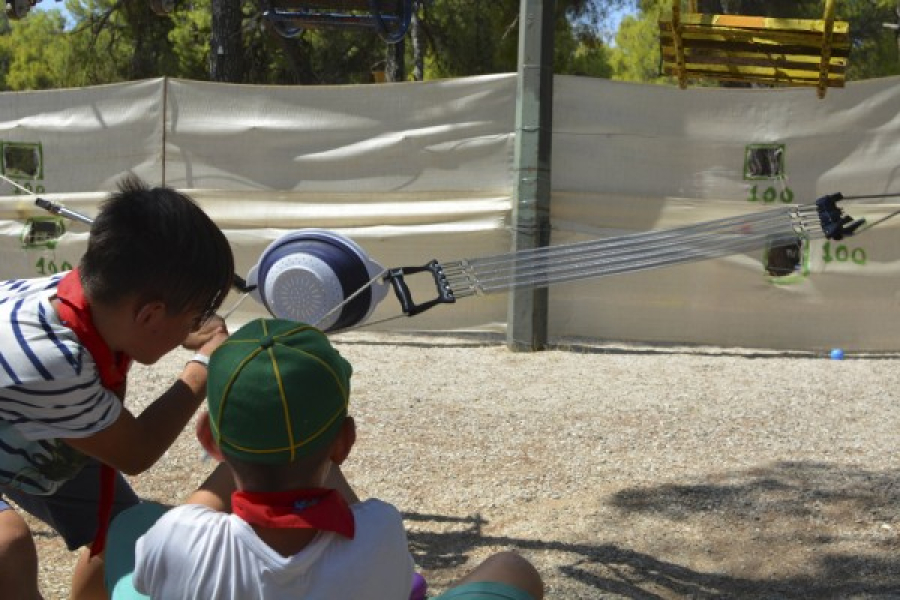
[621,471]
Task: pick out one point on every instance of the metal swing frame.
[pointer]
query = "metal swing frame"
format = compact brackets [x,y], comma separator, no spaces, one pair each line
[18,9]
[389,18]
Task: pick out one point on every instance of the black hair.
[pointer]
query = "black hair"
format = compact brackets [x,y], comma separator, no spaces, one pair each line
[158,244]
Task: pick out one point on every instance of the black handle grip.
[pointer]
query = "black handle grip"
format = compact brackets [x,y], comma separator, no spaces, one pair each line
[404,296]
[835,224]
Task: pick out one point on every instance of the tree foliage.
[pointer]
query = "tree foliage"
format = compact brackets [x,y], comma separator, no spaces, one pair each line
[31,55]
[103,41]
[229,40]
[636,55]
[190,38]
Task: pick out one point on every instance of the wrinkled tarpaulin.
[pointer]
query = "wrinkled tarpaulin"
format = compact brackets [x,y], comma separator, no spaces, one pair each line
[417,171]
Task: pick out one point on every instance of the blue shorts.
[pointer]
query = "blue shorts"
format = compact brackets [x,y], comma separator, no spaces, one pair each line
[484,590]
[72,510]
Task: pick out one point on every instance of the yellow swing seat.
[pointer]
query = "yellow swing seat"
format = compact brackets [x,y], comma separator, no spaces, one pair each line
[789,52]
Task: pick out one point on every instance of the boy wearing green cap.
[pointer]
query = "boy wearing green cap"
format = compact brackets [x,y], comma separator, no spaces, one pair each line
[264,524]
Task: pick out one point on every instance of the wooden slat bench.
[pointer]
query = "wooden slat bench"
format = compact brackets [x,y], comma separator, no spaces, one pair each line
[790,52]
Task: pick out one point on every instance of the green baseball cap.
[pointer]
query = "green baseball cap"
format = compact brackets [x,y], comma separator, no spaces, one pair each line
[277,390]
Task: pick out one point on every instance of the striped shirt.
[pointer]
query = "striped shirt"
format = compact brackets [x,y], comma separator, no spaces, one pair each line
[49,388]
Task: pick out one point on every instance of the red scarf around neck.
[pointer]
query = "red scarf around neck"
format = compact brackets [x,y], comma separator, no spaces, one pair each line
[75,313]
[315,508]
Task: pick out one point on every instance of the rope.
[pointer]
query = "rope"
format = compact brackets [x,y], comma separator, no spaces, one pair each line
[868,226]
[350,298]
[542,267]
[872,196]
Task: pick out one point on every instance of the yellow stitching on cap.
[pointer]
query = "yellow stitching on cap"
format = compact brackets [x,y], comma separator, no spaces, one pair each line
[337,380]
[284,404]
[297,330]
[344,394]
[225,393]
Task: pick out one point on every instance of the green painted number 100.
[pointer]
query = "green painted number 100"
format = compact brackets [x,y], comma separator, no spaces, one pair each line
[841,253]
[49,267]
[770,194]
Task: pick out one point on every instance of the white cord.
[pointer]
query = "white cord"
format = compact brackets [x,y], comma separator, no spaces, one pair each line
[349,298]
[237,303]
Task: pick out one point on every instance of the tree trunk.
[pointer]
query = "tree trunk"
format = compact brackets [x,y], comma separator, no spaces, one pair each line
[897,31]
[142,59]
[296,52]
[418,46]
[395,61]
[226,51]
[149,40]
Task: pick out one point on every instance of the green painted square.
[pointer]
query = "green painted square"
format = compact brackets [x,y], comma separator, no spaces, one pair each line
[22,161]
[764,161]
[42,232]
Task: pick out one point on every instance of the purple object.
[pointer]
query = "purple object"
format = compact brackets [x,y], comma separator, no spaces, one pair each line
[419,587]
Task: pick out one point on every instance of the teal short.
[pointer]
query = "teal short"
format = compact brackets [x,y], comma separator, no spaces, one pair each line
[485,590]
[123,534]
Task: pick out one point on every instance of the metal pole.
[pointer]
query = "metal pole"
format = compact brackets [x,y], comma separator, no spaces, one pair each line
[527,310]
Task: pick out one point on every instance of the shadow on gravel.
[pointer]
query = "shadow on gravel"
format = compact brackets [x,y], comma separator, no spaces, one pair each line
[788,530]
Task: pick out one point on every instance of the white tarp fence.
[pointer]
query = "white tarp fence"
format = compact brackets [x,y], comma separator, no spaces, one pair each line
[417,171]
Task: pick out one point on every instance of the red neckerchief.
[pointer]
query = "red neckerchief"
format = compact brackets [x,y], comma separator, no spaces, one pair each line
[74,312]
[315,508]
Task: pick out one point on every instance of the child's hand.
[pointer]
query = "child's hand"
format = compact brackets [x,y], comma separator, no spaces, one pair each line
[208,337]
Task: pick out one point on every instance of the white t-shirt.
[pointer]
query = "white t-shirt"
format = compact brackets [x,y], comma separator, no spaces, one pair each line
[195,552]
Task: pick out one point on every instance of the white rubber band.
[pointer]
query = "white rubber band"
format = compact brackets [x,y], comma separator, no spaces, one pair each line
[201,359]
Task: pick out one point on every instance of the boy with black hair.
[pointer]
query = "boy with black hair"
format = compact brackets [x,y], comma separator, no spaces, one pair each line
[155,270]
[265,525]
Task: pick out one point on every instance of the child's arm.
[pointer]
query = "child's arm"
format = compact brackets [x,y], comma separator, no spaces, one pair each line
[216,491]
[133,444]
